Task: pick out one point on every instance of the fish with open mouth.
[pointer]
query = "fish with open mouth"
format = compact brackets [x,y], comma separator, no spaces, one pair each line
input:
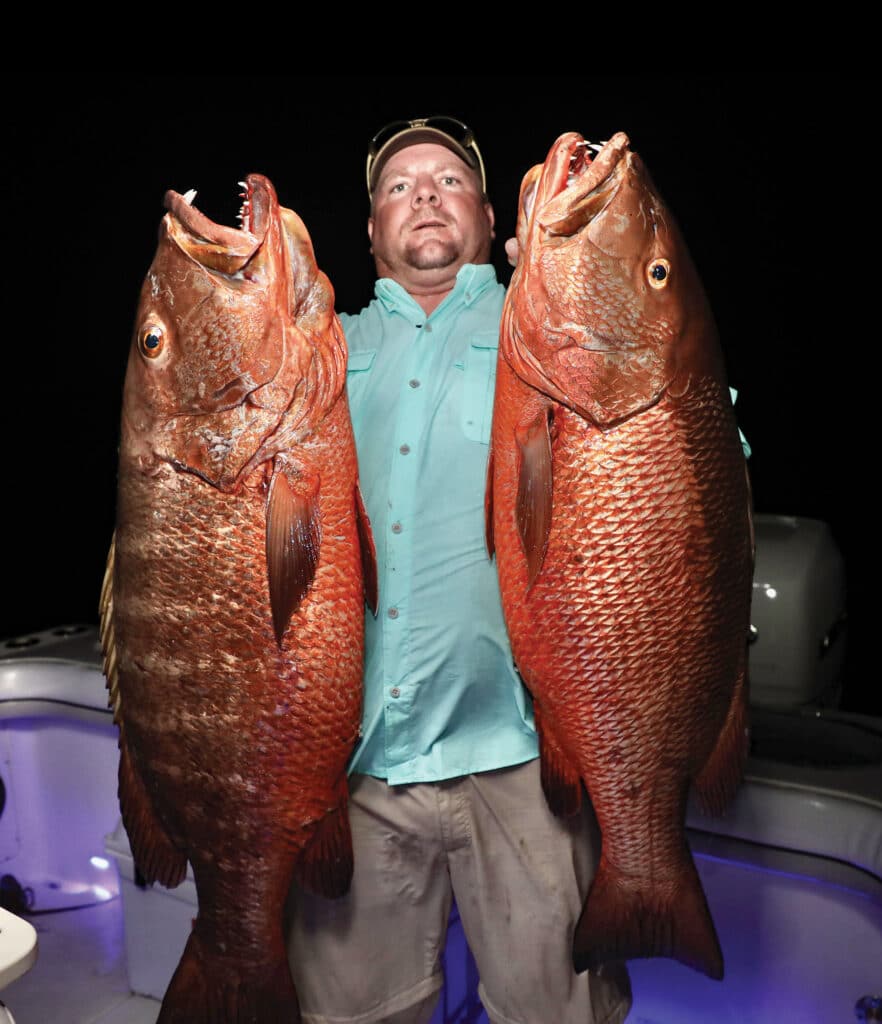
[232,608]
[618,508]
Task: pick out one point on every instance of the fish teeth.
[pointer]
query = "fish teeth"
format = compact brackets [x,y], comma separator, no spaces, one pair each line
[580,160]
[189,196]
[244,215]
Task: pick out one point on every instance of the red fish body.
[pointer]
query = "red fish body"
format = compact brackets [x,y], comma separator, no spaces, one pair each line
[232,612]
[618,507]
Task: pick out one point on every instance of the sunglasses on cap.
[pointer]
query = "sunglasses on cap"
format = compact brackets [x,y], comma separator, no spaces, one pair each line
[462,137]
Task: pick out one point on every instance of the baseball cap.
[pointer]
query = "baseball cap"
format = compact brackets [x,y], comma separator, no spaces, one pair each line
[445,131]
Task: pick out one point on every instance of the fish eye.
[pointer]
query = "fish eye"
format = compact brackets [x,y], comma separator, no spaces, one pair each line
[151,341]
[658,272]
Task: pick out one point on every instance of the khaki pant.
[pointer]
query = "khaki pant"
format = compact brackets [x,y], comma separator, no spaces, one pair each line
[519,876]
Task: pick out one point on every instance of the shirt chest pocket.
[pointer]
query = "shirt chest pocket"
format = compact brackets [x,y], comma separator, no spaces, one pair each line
[358,373]
[479,385]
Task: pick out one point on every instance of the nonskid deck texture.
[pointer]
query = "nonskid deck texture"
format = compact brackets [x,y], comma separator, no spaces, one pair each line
[80,975]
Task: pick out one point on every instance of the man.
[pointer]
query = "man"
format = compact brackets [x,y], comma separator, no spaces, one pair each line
[445,791]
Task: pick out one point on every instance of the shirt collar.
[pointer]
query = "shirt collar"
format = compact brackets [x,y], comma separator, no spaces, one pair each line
[472,280]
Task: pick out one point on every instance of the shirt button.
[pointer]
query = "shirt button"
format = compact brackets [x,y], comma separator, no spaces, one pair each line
[404,449]
[414,383]
[396,527]
[392,613]
[395,692]
[428,328]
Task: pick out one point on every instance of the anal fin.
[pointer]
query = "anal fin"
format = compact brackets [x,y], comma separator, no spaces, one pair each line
[718,781]
[561,781]
[326,862]
[155,855]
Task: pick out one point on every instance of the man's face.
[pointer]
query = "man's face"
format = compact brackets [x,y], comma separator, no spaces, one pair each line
[429,216]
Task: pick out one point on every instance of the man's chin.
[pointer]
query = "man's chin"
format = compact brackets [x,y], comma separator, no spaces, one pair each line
[433,256]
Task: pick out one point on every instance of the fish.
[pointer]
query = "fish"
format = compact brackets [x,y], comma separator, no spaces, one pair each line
[619,513]
[232,608]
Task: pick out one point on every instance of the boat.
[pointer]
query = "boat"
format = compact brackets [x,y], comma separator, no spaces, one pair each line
[792,870]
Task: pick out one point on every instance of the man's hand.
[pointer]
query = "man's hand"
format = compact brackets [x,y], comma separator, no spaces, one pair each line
[511,250]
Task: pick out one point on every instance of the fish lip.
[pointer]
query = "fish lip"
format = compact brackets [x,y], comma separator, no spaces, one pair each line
[584,187]
[608,160]
[193,230]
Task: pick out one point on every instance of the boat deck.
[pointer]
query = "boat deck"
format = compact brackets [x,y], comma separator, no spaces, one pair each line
[80,973]
[80,976]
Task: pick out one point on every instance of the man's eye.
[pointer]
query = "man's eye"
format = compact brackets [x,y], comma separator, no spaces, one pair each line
[400,187]
[450,179]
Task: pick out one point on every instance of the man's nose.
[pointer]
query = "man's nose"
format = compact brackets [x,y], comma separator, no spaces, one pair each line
[425,191]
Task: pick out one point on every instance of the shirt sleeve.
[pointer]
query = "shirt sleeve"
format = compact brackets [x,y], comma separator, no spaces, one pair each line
[744,445]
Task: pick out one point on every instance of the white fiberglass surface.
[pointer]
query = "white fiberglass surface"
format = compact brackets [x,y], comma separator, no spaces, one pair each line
[797,947]
[60,779]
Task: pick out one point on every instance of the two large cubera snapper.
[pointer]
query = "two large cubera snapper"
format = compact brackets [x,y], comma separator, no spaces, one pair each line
[619,509]
[232,611]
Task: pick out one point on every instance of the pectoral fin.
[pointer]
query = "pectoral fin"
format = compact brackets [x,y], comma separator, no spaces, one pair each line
[534,491]
[293,540]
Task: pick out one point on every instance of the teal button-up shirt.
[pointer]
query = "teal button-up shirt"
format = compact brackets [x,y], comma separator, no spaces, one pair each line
[442,697]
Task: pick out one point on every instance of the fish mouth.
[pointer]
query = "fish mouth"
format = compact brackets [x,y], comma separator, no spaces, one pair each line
[582,180]
[223,260]
[217,246]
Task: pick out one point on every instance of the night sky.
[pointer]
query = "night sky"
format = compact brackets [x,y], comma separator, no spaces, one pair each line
[768,177]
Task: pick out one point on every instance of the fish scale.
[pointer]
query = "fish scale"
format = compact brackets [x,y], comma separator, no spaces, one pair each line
[619,513]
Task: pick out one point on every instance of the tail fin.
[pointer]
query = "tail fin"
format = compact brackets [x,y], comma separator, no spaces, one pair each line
[624,919]
[207,988]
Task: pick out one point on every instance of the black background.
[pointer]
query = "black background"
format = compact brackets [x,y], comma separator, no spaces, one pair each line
[770,177]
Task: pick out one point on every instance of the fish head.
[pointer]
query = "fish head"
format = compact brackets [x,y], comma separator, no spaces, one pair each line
[605,304]
[217,353]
